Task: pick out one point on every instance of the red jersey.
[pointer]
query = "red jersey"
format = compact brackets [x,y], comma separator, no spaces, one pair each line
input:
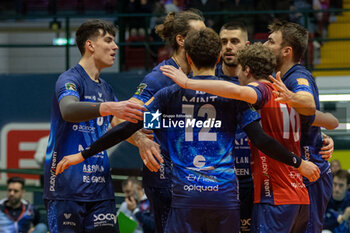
[274,182]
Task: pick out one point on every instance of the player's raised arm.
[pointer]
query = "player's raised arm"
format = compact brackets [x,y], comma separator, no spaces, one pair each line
[275,150]
[215,87]
[73,110]
[109,139]
[302,101]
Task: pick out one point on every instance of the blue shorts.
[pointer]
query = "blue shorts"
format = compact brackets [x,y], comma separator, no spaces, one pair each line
[246,197]
[319,193]
[160,201]
[268,218]
[202,221]
[74,217]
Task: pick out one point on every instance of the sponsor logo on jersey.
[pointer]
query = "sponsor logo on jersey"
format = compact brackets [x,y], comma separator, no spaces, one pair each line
[151,120]
[265,171]
[93,168]
[108,219]
[53,172]
[303,81]
[70,87]
[94,179]
[201,188]
[199,163]
[83,128]
[140,88]
[68,223]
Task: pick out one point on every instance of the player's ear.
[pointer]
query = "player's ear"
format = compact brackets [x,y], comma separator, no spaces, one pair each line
[180,40]
[287,51]
[246,71]
[89,46]
[247,43]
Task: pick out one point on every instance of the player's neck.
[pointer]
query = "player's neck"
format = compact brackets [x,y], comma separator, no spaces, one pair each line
[203,71]
[90,68]
[180,59]
[230,71]
[285,67]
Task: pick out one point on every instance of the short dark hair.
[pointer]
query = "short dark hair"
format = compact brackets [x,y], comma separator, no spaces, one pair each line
[293,35]
[235,25]
[203,46]
[342,174]
[16,179]
[259,59]
[90,30]
[177,23]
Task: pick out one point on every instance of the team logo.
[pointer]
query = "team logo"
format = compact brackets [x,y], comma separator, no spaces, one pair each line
[140,88]
[303,81]
[67,216]
[70,87]
[151,120]
[199,161]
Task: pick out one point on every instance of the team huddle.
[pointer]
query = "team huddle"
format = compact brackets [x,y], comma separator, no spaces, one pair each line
[244,151]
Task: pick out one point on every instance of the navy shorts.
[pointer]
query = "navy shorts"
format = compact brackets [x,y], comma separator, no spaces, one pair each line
[160,201]
[246,197]
[268,218]
[195,220]
[88,217]
[319,193]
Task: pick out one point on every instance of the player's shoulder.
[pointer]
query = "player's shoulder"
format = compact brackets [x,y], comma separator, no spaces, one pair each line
[299,71]
[72,74]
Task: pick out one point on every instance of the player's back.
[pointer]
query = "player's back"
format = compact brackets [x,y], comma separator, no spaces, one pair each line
[277,183]
[198,129]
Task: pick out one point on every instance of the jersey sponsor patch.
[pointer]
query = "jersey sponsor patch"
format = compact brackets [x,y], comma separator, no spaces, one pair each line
[140,88]
[71,87]
[303,81]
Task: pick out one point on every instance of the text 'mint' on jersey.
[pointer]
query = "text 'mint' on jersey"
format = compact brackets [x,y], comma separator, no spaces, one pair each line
[198,130]
[276,183]
[89,180]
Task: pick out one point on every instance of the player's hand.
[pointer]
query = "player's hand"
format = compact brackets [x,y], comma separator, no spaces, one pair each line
[327,148]
[281,92]
[149,133]
[68,161]
[131,203]
[177,75]
[150,153]
[126,110]
[309,170]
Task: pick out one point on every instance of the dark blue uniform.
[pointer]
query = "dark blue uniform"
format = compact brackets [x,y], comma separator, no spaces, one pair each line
[298,79]
[81,198]
[199,137]
[241,153]
[157,185]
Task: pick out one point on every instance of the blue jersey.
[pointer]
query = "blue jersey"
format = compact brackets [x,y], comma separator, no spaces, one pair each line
[89,180]
[241,151]
[199,135]
[149,86]
[298,79]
